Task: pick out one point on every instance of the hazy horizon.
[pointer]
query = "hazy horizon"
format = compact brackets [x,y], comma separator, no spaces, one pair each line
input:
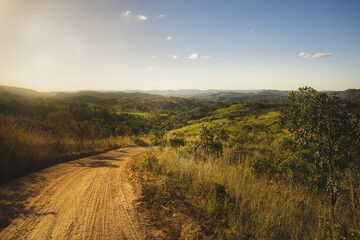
[180,89]
[56,45]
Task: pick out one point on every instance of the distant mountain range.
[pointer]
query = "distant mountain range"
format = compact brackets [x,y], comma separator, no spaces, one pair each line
[350,94]
[18,93]
[101,94]
[213,95]
[9,93]
[191,93]
[263,95]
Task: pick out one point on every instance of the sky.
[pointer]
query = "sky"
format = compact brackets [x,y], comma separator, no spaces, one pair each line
[67,45]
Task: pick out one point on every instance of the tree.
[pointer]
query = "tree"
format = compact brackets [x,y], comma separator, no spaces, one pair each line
[123,129]
[177,142]
[209,141]
[158,132]
[321,123]
[85,130]
[62,122]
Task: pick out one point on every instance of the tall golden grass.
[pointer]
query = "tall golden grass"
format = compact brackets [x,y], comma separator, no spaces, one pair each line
[24,148]
[230,202]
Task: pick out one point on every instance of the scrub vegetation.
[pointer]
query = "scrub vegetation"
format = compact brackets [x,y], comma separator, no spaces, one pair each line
[265,169]
[262,171]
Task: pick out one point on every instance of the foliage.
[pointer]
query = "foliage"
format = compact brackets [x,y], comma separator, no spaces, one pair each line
[177,142]
[260,164]
[107,121]
[24,148]
[210,141]
[158,132]
[230,202]
[258,178]
[322,125]
[149,161]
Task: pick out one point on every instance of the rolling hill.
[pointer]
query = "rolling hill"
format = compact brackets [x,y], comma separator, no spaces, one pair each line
[9,93]
[203,96]
[350,94]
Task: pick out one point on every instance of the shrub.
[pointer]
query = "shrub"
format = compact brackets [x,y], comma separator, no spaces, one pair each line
[177,142]
[25,148]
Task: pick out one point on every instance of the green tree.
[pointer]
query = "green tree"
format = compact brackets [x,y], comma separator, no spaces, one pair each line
[123,129]
[322,124]
[85,130]
[158,132]
[210,141]
[62,122]
[177,142]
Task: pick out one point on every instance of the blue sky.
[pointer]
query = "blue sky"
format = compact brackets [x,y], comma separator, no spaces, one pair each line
[166,44]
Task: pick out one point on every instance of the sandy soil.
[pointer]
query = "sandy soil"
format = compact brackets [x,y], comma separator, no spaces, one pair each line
[89,198]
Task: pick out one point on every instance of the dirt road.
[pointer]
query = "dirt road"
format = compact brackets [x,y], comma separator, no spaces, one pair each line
[89,198]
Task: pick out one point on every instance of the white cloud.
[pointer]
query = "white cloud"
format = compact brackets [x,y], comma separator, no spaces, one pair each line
[126,13]
[151,68]
[161,16]
[154,56]
[169,38]
[173,56]
[320,55]
[193,56]
[141,17]
[304,55]
[205,56]
[316,55]
[251,30]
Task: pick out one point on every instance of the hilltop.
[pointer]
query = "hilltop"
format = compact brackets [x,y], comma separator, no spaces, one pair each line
[350,94]
[204,96]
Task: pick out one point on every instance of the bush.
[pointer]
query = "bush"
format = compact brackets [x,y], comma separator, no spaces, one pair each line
[177,142]
[25,148]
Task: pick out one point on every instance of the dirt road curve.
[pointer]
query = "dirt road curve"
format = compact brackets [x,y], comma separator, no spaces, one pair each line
[89,198]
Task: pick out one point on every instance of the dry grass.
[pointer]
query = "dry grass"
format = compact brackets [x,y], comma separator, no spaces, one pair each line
[230,202]
[24,149]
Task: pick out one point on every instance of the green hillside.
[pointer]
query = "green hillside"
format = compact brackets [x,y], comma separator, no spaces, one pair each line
[350,94]
[108,94]
[263,96]
[226,165]
[234,118]
[257,170]
[8,93]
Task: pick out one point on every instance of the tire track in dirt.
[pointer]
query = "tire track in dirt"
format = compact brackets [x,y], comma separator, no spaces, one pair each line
[89,198]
